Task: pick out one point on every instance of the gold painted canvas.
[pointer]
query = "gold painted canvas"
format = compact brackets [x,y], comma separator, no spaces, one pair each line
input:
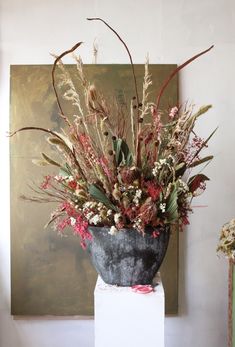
[50,274]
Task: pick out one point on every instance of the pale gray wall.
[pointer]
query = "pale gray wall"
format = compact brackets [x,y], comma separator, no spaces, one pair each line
[170,31]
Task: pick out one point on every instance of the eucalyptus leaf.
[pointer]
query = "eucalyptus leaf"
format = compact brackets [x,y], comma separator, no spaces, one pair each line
[63,172]
[201,161]
[172,204]
[39,162]
[49,160]
[202,110]
[129,159]
[180,169]
[122,152]
[98,195]
[180,166]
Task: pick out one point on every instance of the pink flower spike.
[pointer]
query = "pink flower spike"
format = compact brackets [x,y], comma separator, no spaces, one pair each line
[173,112]
[46,183]
[142,289]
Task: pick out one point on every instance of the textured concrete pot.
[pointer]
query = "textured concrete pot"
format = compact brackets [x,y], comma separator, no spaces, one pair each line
[127,258]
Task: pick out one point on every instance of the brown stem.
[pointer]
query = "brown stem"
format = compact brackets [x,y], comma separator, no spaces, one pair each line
[137,149]
[128,52]
[166,82]
[35,128]
[53,76]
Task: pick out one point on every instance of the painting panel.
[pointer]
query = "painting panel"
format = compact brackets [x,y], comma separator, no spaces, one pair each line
[52,275]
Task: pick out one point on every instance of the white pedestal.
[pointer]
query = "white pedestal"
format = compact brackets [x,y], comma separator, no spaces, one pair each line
[124,318]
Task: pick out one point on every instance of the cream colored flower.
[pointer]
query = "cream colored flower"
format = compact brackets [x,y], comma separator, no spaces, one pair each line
[113,230]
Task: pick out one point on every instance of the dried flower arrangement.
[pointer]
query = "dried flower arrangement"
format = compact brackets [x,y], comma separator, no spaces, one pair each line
[227,240]
[104,177]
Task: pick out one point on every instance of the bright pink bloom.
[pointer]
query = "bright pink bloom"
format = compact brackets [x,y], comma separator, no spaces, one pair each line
[142,289]
[70,210]
[81,228]
[62,224]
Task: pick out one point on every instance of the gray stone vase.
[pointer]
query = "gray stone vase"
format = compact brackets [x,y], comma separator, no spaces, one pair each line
[127,258]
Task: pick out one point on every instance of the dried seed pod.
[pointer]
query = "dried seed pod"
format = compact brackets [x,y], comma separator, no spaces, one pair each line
[128,175]
[125,202]
[116,192]
[92,93]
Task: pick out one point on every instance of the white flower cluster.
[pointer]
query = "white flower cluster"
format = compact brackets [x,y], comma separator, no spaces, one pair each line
[159,164]
[184,187]
[89,204]
[227,240]
[109,213]
[117,217]
[92,210]
[137,197]
[163,207]
[59,178]
[229,230]
[72,221]
[137,224]
[113,230]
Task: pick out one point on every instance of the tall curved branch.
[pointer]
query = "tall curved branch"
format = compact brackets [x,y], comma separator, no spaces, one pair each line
[128,52]
[166,82]
[53,75]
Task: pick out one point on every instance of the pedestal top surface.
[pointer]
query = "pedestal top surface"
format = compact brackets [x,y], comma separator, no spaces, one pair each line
[102,287]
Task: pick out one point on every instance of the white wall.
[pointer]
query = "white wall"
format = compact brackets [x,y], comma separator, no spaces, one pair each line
[170,30]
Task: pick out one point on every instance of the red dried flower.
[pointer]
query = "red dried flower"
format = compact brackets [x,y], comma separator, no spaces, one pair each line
[153,189]
[131,212]
[148,211]
[72,184]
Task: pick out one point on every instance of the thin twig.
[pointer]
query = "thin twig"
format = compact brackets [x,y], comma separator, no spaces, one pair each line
[35,128]
[128,52]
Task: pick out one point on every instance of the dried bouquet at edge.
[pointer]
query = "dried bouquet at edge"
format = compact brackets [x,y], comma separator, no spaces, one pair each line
[227,240]
[103,177]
